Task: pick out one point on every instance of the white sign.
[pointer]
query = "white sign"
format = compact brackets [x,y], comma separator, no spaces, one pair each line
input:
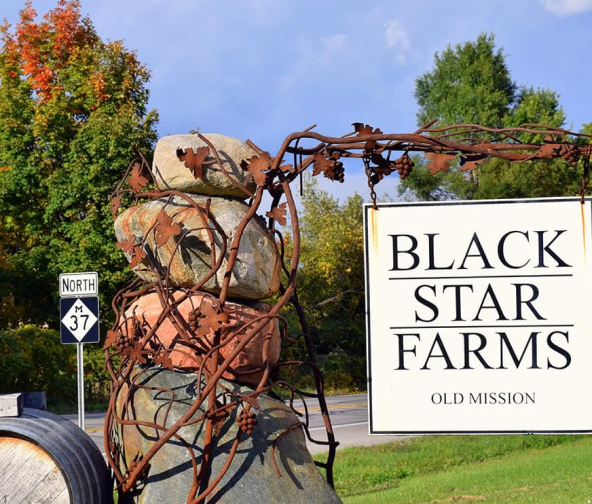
[479,316]
[79,284]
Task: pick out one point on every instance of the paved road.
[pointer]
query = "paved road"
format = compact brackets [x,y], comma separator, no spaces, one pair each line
[349,416]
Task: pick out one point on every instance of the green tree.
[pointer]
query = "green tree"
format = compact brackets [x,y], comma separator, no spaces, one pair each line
[471,84]
[331,283]
[71,109]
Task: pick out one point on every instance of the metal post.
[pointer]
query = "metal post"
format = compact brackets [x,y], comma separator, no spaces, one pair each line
[80,385]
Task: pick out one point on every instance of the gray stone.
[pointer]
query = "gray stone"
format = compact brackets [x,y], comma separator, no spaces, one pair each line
[256,272]
[171,173]
[251,477]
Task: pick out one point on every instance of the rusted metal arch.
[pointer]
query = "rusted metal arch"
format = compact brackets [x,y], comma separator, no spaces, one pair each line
[467,141]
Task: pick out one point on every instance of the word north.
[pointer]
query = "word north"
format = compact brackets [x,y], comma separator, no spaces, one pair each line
[514,250]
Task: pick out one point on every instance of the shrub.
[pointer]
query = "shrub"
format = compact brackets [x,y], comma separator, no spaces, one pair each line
[33,358]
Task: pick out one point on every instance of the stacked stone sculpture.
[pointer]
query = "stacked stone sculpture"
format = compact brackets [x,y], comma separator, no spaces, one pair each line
[199,341]
[184,260]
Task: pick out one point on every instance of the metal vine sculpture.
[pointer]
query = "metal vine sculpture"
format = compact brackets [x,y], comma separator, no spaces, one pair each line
[208,335]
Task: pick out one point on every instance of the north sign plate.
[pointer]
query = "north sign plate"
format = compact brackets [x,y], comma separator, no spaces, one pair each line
[79,284]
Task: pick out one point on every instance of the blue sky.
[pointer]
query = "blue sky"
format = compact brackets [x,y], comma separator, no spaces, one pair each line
[262,69]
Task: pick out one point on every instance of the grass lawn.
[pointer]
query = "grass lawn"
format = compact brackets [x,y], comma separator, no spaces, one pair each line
[466,469]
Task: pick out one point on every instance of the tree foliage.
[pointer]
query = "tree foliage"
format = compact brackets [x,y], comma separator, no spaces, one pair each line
[471,84]
[33,359]
[331,283]
[71,109]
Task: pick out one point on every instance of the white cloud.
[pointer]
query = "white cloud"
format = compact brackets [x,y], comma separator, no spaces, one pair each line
[567,7]
[397,39]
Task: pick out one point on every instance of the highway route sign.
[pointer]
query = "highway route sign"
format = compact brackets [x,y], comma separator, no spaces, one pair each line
[79,320]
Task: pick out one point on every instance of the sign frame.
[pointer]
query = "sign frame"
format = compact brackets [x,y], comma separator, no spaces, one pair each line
[372,229]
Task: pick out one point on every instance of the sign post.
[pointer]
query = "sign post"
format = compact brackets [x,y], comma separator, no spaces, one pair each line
[79,316]
[479,317]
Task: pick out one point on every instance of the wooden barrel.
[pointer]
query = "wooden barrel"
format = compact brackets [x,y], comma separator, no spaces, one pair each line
[45,458]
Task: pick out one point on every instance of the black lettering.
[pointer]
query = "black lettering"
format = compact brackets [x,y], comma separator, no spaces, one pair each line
[481,254]
[489,292]
[501,250]
[505,342]
[476,351]
[442,355]
[457,298]
[547,248]
[527,302]
[432,258]
[427,303]
[402,350]
[409,251]
[559,350]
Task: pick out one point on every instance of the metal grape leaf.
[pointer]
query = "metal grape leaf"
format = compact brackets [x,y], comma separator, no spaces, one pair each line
[137,354]
[383,168]
[365,129]
[127,245]
[469,162]
[112,337]
[329,166]
[321,164]
[278,214]
[257,166]
[438,161]
[211,317]
[195,161]
[165,228]
[164,360]
[548,151]
[138,256]
[218,418]
[115,204]
[137,180]
[287,168]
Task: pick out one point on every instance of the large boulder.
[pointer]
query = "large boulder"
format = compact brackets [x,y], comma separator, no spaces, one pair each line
[171,172]
[246,367]
[256,272]
[251,476]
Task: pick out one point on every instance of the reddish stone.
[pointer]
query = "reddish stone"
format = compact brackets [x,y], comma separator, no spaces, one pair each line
[246,367]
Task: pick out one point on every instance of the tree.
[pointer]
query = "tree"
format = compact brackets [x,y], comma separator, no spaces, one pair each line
[331,283]
[471,84]
[71,109]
